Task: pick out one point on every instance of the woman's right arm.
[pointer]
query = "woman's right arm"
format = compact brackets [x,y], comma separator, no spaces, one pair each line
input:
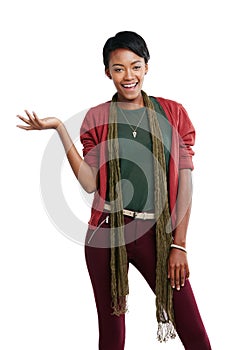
[86,175]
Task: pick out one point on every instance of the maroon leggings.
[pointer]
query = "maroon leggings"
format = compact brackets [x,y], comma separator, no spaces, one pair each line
[141,253]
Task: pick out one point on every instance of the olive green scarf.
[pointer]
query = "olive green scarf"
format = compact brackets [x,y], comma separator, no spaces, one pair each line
[119,270]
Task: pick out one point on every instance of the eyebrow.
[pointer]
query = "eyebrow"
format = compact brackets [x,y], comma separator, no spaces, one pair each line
[119,64]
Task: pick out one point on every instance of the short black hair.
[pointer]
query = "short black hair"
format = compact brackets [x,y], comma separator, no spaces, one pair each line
[126,40]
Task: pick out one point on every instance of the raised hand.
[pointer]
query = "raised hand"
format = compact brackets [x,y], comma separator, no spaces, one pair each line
[34,123]
[86,175]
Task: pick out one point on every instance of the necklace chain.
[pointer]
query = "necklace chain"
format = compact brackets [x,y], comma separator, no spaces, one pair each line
[134,130]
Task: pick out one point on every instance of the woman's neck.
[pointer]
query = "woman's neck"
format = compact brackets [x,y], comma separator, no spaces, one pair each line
[130,104]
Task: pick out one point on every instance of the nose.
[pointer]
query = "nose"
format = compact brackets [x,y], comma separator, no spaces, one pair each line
[128,74]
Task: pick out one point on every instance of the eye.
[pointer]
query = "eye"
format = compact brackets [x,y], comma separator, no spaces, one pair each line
[118,70]
[137,67]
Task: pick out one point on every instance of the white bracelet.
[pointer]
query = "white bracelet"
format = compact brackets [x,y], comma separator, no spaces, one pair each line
[178,247]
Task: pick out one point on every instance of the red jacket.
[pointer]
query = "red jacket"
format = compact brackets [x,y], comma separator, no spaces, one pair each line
[94,131]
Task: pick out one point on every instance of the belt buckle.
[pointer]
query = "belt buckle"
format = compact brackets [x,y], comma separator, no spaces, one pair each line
[143,215]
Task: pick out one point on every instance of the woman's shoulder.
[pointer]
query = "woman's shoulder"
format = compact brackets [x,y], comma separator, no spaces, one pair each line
[97,115]
[100,108]
[172,106]
[168,102]
[175,111]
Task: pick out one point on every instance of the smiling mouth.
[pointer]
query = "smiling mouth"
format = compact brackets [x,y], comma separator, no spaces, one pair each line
[129,86]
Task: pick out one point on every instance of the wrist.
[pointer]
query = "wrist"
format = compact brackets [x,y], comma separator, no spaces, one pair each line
[179,247]
[179,238]
[179,242]
[59,126]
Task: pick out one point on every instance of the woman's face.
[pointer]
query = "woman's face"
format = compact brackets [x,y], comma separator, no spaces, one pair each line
[127,70]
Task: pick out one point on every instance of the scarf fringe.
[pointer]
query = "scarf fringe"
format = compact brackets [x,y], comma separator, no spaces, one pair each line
[165,331]
[120,307]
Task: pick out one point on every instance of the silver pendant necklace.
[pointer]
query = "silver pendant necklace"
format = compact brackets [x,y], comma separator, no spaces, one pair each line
[134,130]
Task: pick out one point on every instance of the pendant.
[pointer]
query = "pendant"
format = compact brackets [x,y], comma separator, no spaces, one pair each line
[134,133]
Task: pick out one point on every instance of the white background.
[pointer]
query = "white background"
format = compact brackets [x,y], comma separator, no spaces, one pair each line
[51,62]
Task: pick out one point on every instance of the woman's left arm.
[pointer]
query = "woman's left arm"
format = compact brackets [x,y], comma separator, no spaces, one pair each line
[178,269]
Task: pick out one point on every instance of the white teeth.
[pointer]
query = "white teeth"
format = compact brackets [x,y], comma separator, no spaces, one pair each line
[129,85]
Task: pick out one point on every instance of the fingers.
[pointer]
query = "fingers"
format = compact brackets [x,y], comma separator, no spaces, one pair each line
[36,119]
[32,121]
[172,277]
[23,119]
[182,276]
[178,274]
[25,127]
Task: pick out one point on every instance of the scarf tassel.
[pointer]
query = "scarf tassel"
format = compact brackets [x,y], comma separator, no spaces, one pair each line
[165,331]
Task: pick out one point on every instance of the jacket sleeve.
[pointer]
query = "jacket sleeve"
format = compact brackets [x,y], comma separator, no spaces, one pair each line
[186,140]
[89,140]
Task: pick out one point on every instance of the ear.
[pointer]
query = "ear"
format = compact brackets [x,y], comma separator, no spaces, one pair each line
[107,72]
[146,68]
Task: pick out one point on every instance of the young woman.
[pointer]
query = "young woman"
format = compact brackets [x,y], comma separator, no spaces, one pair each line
[137,159]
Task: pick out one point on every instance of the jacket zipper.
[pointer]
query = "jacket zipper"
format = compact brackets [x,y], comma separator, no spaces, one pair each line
[94,232]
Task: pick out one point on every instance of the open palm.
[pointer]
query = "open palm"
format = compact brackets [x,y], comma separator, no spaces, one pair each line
[34,123]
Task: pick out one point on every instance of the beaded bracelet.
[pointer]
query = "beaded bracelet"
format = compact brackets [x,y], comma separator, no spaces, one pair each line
[178,247]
